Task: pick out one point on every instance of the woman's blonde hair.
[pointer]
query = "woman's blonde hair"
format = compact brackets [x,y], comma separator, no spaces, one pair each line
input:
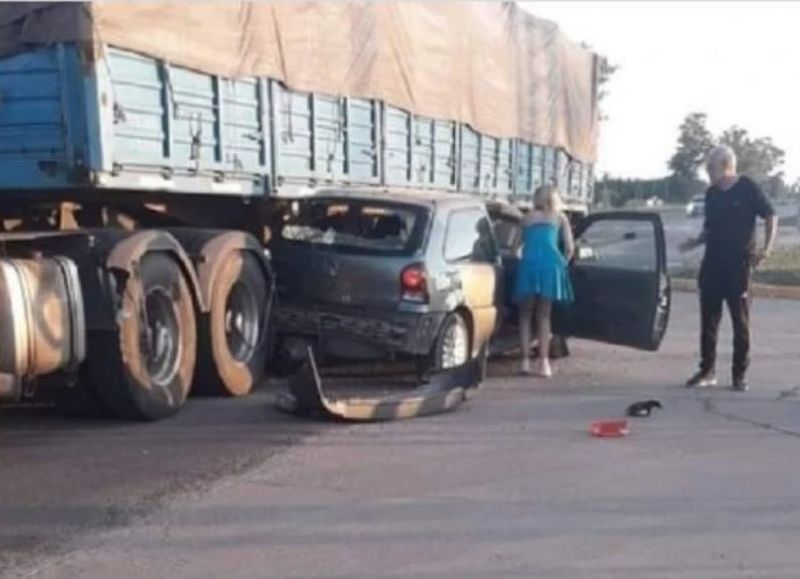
[547,198]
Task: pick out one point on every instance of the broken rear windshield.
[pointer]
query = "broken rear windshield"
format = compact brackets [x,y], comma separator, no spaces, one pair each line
[355,225]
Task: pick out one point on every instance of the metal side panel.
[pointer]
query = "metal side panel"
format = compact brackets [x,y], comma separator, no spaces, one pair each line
[42,125]
[423,151]
[537,167]
[294,135]
[470,166]
[174,129]
[329,134]
[489,164]
[562,172]
[444,155]
[246,111]
[575,180]
[139,133]
[524,169]
[548,166]
[362,141]
[397,146]
[505,168]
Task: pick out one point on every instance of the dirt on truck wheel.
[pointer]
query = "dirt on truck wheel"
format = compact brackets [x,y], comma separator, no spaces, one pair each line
[144,370]
[233,338]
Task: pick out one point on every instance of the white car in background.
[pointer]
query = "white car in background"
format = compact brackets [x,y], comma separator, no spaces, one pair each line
[696,206]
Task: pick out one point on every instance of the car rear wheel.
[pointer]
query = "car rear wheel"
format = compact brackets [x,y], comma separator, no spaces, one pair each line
[452,346]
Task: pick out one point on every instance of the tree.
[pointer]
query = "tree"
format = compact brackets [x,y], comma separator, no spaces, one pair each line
[694,141]
[757,158]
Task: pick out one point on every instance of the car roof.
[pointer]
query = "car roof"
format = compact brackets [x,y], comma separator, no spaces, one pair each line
[420,197]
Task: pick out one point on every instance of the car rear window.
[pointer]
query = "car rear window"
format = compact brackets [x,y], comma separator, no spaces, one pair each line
[355,225]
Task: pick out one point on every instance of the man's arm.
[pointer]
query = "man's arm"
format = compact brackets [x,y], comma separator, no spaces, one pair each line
[771,232]
[694,242]
[766,211]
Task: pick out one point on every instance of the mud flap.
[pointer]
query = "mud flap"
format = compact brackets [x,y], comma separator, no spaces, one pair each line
[444,391]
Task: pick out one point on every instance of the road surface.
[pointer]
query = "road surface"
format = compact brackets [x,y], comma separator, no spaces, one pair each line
[509,486]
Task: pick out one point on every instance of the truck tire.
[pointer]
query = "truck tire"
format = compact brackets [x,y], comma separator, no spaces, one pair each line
[145,370]
[233,340]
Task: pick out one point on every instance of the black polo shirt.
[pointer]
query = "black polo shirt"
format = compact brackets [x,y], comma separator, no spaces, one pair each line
[730,226]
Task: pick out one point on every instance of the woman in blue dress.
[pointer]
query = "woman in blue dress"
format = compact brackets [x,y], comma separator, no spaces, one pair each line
[543,276]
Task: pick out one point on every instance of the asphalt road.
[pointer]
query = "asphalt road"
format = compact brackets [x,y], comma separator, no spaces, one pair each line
[508,486]
[64,477]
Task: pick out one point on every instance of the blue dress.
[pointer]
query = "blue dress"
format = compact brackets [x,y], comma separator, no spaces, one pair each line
[542,270]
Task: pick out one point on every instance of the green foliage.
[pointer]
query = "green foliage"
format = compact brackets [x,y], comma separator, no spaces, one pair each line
[694,141]
[758,157]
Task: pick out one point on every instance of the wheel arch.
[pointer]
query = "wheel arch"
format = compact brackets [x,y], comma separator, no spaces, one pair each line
[128,252]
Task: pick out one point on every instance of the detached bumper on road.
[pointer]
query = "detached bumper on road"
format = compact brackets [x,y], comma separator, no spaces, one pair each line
[445,390]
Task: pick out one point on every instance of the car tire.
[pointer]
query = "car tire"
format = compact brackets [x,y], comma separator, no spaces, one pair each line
[233,337]
[130,381]
[453,343]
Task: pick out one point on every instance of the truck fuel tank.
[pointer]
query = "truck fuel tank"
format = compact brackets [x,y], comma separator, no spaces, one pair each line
[42,327]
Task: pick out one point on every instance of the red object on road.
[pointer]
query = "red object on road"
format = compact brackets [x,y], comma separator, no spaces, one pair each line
[609,428]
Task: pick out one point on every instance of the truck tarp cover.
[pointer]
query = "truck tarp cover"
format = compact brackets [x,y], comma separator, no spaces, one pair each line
[487,64]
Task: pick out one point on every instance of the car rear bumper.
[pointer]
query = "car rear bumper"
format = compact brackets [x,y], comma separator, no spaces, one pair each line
[349,334]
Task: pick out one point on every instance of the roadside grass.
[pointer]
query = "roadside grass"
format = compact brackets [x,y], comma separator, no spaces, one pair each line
[781,269]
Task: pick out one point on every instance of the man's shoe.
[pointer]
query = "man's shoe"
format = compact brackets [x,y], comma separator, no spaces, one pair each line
[740,384]
[702,380]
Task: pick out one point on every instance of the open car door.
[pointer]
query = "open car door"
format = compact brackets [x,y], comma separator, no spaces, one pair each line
[619,276]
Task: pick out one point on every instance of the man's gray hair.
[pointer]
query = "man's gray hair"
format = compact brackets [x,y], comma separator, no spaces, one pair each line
[722,155]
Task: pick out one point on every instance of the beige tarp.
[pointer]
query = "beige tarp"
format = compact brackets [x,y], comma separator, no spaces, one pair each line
[487,64]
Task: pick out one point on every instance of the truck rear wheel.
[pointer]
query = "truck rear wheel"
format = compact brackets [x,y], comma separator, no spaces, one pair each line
[146,372]
[233,340]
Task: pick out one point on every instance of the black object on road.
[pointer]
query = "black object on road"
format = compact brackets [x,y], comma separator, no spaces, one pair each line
[643,409]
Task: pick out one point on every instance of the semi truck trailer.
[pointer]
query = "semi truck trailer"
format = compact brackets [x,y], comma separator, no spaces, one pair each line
[137,180]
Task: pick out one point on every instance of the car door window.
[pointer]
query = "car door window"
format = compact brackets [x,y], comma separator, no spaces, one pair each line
[469,238]
[618,244]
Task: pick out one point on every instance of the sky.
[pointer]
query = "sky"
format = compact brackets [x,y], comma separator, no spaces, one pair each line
[739,62]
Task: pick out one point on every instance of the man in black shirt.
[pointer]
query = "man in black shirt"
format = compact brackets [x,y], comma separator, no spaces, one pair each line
[732,204]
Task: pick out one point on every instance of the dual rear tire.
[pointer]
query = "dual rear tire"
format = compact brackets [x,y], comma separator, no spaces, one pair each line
[233,340]
[144,370]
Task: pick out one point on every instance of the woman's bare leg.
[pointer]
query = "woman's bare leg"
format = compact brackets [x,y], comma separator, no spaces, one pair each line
[525,315]
[544,309]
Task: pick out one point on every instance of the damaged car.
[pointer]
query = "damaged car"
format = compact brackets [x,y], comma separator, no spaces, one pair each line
[382,274]
[379,274]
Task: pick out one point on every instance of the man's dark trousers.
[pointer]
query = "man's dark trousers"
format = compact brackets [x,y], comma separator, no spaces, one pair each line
[716,288]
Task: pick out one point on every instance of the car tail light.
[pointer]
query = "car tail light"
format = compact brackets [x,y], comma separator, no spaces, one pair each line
[414,283]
